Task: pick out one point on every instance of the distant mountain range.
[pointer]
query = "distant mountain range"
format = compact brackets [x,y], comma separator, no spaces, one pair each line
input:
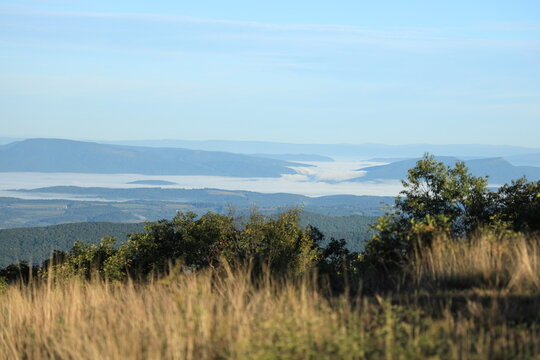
[55,155]
[360,151]
[254,159]
[516,155]
[499,170]
[525,159]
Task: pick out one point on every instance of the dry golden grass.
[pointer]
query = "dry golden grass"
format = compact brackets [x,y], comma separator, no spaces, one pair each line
[504,261]
[211,315]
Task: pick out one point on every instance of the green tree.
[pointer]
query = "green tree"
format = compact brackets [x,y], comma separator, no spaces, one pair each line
[275,242]
[518,205]
[195,242]
[442,193]
[436,199]
[439,199]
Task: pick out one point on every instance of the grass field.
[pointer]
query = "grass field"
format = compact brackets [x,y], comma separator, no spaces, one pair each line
[476,300]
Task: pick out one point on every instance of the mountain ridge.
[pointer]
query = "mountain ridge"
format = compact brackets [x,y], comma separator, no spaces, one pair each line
[363,150]
[60,155]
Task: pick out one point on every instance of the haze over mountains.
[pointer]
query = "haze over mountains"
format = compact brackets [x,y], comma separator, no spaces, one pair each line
[271,159]
[525,159]
[56,155]
[360,151]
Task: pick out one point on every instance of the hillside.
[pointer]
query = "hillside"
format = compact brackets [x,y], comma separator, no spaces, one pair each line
[55,155]
[499,170]
[524,160]
[355,229]
[34,244]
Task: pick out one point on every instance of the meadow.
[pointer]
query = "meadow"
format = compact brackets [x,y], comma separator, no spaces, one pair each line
[474,300]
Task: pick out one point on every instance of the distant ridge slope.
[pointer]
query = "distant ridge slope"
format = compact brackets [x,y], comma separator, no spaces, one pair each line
[360,151]
[35,244]
[499,170]
[524,160]
[57,155]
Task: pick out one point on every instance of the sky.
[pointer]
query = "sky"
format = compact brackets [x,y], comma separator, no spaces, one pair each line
[393,72]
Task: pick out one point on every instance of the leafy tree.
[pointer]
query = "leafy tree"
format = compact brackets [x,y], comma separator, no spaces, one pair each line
[197,243]
[438,199]
[278,242]
[450,195]
[275,242]
[435,199]
[518,205]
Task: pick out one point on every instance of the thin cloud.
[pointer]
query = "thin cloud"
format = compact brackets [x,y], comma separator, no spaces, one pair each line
[350,33]
[313,28]
[322,36]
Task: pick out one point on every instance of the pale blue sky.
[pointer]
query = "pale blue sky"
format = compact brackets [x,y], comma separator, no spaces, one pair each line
[312,71]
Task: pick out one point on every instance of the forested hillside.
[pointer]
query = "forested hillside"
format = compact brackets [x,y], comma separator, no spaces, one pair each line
[34,244]
[355,229]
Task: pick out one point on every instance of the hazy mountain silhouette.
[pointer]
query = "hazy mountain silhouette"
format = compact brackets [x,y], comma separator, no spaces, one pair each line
[361,151]
[524,159]
[56,155]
